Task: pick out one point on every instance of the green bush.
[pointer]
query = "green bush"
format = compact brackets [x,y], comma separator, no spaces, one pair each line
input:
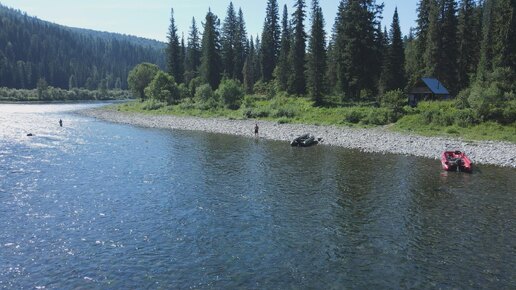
[252,113]
[152,104]
[489,97]
[163,88]
[230,92]
[379,116]
[204,93]
[287,112]
[465,118]
[184,92]
[354,115]
[261,88]
[509,113]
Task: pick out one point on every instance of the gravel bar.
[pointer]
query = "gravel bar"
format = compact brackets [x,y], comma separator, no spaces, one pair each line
[379,140]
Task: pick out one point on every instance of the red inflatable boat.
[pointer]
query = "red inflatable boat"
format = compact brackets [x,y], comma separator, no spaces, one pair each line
[455,161]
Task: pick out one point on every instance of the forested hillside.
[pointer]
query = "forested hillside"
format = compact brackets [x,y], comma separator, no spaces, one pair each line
[32,49]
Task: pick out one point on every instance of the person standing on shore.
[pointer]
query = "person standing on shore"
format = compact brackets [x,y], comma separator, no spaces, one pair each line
[256,129]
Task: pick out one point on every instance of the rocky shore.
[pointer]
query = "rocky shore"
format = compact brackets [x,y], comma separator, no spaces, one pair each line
[378,140]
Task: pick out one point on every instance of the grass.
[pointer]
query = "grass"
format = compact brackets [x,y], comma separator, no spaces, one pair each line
[428,119]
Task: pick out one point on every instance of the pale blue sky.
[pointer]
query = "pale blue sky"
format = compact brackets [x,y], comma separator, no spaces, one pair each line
[151,18]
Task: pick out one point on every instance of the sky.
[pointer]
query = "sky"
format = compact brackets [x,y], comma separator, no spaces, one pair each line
[151,18]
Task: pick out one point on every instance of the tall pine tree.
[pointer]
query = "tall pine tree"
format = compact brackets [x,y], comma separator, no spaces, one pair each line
[447,66]
[433,41]
[228,41]
[504,38]
[282,71]
[193,55]
[249,70]
[357,44]
[297,80]
[317,56]
[393,76]
[270,40]
[241,47]
[174,63]
[420,41]
[210,56]
[468,39]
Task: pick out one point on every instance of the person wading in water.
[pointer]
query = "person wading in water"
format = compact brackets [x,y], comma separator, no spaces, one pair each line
[60,123]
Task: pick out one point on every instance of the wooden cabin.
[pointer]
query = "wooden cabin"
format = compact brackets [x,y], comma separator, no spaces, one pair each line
[427,89]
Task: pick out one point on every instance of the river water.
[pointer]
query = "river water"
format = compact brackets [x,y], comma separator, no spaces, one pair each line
[100,205]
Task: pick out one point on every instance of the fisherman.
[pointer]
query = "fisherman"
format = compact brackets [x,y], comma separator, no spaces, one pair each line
[60,123]
[256,129]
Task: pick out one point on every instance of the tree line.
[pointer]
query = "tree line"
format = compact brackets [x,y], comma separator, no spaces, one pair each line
[468,45]
[32,49]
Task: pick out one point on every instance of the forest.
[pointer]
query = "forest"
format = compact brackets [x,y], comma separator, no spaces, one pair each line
[32,50]
[361,69]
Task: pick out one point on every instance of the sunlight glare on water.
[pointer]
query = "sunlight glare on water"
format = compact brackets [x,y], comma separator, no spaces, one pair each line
[100,205]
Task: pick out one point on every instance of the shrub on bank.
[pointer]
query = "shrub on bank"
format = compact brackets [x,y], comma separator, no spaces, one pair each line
[230,92]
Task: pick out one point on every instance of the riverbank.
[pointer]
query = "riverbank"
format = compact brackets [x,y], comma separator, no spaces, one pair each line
[379,140]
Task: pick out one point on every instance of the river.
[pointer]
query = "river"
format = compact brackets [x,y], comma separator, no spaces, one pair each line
[96,205]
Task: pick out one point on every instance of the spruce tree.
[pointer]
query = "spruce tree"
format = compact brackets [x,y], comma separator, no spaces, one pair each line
[282,71]
[421,33]
[249,69]
[336,51]
[412,62]
[447,65]
[210,56]
[193,55]
[486,47]
[433,41]
[393,76]
[270,40]
[241,47]
[228,41]
[316,66]
[467,43]
[504,34]
[174,51]
[297,80]
[357,41]
[183,57]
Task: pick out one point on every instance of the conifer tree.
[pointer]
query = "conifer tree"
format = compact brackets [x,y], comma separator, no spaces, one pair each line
[249,70]
[336,50]
[357,42]
[258,58]
[504,34]
[241,47]
[393,76]
[412,63]
[447,65]
[421,33]
[297,80]
[210,56]
[193,55]
[174,62]
[433,41]
[282,71]
[183,57]
[486,47]
[317,56]
[228,41]
[270,40]
[468,40]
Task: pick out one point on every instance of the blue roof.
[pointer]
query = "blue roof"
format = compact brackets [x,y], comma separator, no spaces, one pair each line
[435,86]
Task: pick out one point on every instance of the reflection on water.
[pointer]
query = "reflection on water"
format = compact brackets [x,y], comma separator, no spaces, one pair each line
[99,205]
